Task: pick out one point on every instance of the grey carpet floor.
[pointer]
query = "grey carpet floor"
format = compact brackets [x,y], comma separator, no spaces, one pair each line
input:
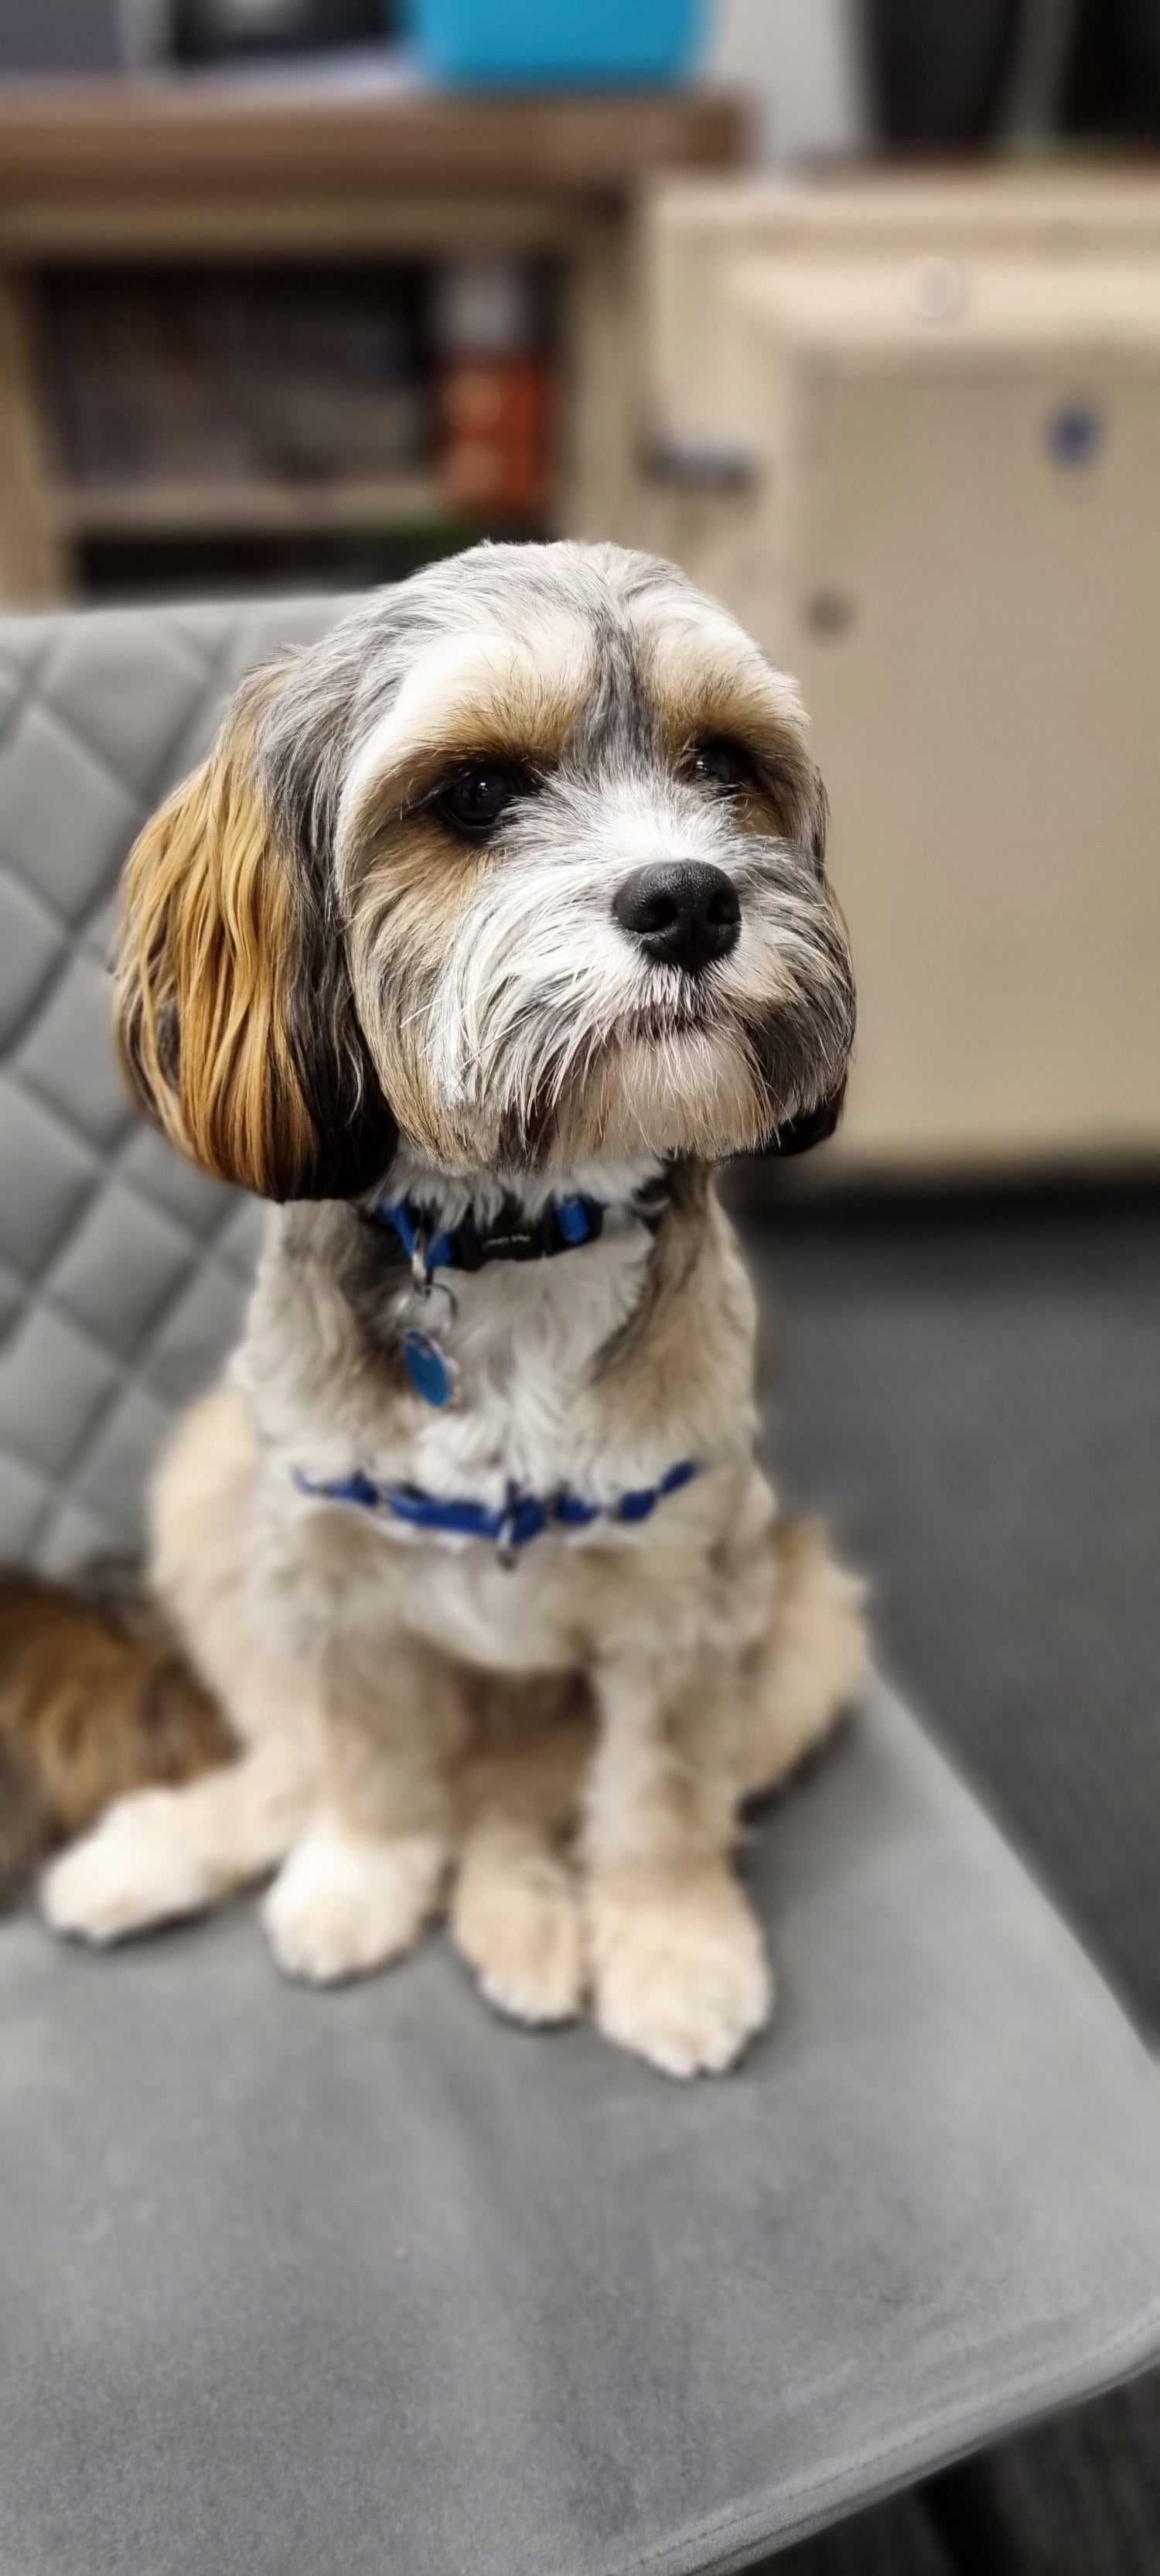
[971,1389]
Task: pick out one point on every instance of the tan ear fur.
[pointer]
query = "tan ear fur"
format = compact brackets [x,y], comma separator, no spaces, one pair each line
[209,949]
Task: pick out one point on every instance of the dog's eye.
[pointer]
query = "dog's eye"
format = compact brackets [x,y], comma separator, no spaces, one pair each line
[719,763]
[475,800]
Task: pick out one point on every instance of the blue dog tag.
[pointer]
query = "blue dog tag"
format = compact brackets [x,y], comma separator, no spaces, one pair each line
[430,1371]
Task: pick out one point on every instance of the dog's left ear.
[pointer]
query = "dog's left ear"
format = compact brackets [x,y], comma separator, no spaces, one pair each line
[235,1019]
[812,1128]
[809,817]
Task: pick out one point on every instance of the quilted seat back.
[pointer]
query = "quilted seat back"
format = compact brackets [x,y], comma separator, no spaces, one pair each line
[123,1272]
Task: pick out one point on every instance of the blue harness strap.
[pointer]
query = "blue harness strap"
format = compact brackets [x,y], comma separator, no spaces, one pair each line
[512,1524]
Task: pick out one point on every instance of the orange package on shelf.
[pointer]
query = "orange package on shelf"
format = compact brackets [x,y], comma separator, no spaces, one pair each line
[495,391]
[496,419]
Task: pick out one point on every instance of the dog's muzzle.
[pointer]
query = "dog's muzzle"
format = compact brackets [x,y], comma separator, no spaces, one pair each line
[683,913]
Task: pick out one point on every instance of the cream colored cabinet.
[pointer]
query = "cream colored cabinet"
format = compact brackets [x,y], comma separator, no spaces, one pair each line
[912,434]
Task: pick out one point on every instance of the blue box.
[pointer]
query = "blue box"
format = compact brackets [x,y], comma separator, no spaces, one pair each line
[558,44]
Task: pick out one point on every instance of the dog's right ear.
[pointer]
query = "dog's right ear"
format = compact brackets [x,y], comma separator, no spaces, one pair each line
[235,1019]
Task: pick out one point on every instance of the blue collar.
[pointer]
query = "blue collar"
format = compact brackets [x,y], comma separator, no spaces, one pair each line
[561,1226]
[521,1518]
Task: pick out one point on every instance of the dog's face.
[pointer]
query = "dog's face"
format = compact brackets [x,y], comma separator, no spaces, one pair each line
[525,860]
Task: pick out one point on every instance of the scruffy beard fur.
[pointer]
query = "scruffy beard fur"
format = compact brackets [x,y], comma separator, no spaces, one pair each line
[335,982]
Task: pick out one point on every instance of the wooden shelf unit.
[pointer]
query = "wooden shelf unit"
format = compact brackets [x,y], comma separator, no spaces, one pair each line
[189,170]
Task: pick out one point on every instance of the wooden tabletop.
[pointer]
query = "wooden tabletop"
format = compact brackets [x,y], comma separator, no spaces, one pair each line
[192,134]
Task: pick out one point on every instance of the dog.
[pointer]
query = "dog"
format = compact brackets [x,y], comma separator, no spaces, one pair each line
[493,923]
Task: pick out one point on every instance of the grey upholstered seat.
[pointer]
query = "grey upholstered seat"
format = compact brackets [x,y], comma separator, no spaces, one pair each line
[302,2285]
[122,1271]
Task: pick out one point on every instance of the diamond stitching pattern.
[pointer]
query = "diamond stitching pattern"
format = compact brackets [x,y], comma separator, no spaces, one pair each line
[123,1272]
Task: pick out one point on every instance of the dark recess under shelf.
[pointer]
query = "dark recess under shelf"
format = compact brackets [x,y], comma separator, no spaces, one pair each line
[127,569]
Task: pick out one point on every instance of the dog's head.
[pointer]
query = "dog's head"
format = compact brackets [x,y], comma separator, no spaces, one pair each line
[525,860]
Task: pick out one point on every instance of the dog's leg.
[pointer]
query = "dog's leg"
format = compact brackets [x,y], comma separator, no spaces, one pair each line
[516,1910]
[678,1962]
[813,1664]
[163,1853]
[368,1873]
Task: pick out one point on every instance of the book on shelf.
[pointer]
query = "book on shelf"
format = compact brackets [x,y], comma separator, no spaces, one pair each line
[216,377]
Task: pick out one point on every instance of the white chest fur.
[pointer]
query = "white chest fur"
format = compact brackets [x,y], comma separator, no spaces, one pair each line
[538,1410]
[523,1343]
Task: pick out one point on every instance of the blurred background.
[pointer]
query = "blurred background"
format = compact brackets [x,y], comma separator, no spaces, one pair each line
[854,310]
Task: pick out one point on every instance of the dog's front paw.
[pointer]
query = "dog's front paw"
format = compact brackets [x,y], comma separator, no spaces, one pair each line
[516,1919]
[128,1873]
[680,1969]
[344,1903]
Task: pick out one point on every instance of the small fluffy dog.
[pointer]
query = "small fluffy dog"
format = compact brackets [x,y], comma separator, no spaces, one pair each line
[492,922]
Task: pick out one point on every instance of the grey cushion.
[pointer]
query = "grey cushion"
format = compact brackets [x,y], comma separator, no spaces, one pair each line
[300,2285]
[311,2285]
[122,1271]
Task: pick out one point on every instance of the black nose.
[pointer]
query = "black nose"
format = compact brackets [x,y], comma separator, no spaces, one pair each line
[683,914]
